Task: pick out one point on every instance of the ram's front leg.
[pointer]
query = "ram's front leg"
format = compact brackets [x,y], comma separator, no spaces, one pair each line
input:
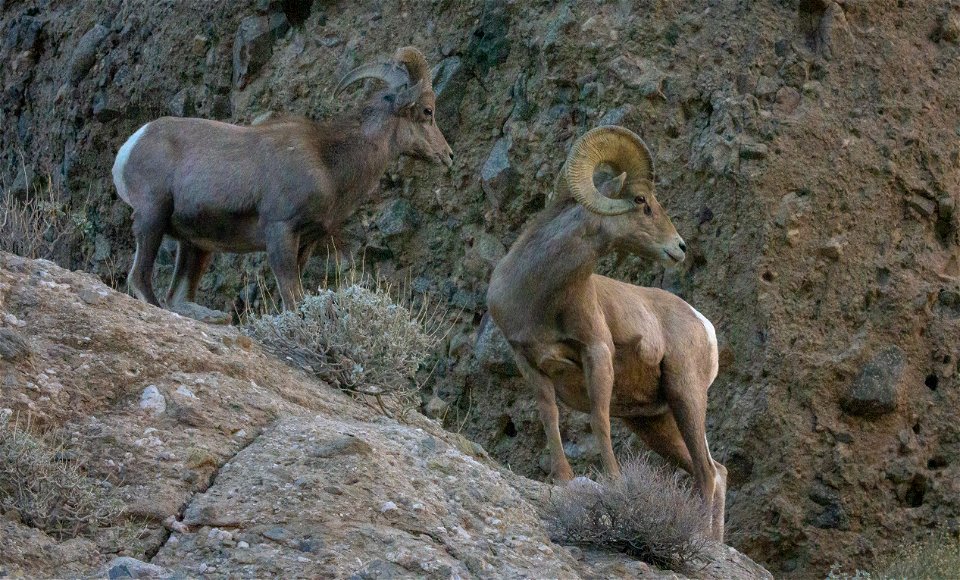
[598,376]
[283,247]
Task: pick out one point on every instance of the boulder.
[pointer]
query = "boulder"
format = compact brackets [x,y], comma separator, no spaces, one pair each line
[639,73]
[498,176]
[874,391]
[85,53]
[492,351]
[397,218]
[259,470]
[13,346]
[253,44]
[127,567]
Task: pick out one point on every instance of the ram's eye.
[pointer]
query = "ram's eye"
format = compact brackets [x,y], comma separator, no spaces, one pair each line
[640,200]
[428,112]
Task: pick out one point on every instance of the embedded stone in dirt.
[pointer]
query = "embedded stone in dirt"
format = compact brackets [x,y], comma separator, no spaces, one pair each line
[13,346]
[874,392]
[498,176]
[201,313]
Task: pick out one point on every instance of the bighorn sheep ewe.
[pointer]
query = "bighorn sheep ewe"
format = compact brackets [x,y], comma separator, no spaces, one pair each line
[600,345]
[279,186]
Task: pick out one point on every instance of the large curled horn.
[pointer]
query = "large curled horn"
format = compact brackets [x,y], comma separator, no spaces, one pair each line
[616,146]
[415,62]
[392,73]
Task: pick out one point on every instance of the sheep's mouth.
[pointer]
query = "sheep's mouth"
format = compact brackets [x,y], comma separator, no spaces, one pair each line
[674,258]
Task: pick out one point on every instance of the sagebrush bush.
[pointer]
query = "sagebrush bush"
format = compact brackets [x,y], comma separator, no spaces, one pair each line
[356,338]
[647,513]
[46,490]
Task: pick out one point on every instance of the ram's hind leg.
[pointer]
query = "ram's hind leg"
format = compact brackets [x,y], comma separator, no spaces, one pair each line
[191,263]
[663,436]
[149,226]
[199,264]
[719,500]
[688,404]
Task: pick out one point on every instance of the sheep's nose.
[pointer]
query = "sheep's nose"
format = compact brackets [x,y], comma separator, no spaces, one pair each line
[683,246]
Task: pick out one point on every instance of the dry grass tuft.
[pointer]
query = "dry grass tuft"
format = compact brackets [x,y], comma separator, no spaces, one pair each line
[38,225]
[647,513]
[358,339]
[935,558]
[44,489]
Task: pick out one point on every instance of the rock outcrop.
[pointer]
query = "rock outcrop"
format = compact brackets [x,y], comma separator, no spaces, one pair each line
[230,463]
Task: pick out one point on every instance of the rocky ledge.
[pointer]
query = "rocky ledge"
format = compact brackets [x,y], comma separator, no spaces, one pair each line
[230,463]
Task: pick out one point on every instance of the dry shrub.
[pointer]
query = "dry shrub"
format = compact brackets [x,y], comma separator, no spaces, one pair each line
[47,490]
[358,339]
[647,513]
[935,557]
[38,225]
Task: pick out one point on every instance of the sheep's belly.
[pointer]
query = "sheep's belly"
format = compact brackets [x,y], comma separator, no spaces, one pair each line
[236,233]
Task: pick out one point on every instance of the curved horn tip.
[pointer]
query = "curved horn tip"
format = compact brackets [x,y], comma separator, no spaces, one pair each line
[407,50]
[415,62]
[388,73]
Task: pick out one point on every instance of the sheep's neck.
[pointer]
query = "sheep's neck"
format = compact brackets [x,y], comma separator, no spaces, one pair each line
[362,156]
[562,254]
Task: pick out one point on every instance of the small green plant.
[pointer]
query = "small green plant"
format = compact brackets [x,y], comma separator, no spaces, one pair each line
[358,339]
[647,513]
[46,489]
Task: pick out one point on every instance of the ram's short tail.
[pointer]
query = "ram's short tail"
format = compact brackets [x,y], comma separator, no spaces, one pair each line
[121,162]
[712,338]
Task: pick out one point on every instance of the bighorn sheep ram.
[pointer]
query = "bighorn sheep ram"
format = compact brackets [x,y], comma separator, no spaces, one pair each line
[279,186]
[602,346]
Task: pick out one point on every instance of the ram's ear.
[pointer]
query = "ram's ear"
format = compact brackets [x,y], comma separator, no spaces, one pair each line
[407,96]
[612,187]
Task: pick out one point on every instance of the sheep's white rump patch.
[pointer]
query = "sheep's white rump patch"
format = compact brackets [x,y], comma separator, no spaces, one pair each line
[122,156]
[712,337]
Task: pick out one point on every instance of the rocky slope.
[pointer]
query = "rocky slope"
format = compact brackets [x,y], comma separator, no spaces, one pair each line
[808,150]
[230,463]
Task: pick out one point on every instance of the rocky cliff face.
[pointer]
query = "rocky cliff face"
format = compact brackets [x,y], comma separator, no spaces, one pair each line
[807,149]
[230,463]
